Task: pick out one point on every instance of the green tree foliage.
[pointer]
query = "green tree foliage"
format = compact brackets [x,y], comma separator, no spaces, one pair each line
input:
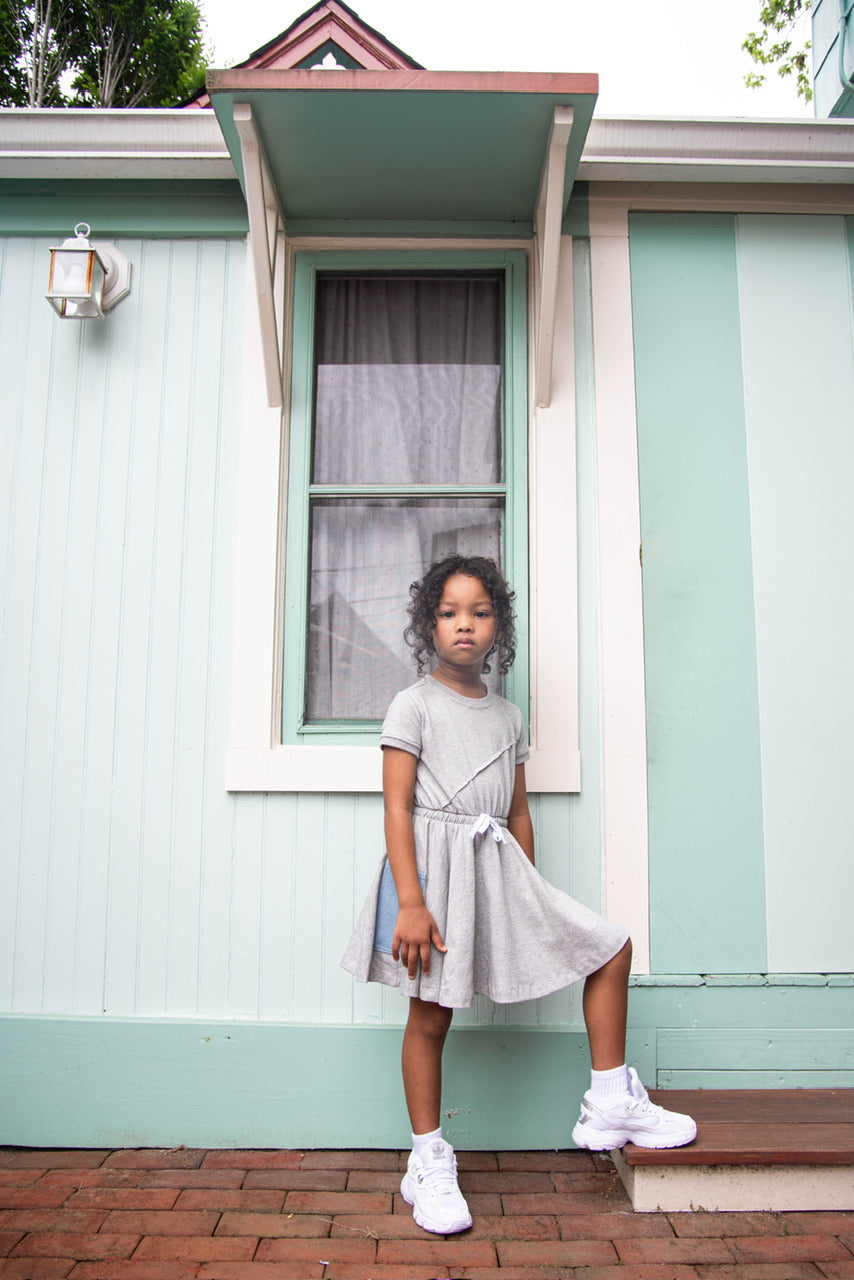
[39,39]
[145,54]
[99,53]
[780,42]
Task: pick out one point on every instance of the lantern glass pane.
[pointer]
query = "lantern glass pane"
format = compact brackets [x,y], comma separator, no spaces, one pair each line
[77,281]
[72,272]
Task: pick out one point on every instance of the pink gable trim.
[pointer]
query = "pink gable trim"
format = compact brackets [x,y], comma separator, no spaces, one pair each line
[326,21]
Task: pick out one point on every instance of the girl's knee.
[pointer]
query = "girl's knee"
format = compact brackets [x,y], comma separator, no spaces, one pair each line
[619,966]
[623,959]
[429,1018]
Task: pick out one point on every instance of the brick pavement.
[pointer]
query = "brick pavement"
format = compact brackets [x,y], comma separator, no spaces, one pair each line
[338,1215]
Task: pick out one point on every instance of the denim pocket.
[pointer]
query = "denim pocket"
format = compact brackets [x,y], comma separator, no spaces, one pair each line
[387,909]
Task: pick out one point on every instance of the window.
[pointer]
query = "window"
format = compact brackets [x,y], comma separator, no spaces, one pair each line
[294,725]
[411,447]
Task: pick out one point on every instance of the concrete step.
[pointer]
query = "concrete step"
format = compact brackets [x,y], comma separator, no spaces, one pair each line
[756,1149]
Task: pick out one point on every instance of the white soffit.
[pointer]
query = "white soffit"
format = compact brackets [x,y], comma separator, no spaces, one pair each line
[673,150]
[68,143]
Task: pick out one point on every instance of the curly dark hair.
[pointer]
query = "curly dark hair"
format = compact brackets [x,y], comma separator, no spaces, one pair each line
[424,601]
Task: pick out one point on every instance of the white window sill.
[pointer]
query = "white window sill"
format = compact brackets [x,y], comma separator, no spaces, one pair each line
[343,769]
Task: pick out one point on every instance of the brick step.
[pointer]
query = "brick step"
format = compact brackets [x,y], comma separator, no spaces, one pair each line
[756,1149]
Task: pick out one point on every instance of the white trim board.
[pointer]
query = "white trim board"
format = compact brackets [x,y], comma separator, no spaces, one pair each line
[626,850]
[255,760]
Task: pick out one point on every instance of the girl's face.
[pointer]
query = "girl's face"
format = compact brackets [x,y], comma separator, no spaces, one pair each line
[464,631]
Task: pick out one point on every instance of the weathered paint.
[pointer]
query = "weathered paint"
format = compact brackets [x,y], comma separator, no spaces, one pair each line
[707,886]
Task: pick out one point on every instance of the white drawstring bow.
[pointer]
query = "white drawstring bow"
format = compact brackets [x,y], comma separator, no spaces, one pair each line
[487,823]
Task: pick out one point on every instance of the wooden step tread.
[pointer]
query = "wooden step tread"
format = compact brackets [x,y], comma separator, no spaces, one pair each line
[758,1127]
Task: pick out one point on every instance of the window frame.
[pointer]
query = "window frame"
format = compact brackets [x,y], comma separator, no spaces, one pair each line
[512,266]
[256,759]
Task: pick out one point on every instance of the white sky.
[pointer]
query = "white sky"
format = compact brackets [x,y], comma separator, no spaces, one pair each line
[662,57]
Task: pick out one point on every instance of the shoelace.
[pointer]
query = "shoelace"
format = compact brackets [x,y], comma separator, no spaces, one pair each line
[644,1107]
[442,1178]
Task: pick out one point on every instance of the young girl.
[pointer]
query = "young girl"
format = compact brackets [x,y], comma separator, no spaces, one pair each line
[457,908]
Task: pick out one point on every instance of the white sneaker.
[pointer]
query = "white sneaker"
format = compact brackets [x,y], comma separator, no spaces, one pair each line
[430,1186]
[632,1118]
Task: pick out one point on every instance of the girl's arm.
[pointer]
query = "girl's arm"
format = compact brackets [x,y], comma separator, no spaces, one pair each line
[415,929]
[519,818]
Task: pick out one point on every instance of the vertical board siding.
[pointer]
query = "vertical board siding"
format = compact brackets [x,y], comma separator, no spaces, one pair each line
[119,438]
[799,389]
[707,888]
[131,883]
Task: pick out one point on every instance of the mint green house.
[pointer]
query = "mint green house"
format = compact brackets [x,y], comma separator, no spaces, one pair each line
[210,515]
[832,57]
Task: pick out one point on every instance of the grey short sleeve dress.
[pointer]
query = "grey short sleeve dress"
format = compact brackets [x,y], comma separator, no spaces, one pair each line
[510,934]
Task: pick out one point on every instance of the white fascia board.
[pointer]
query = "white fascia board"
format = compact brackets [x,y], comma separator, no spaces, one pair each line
[672,150]
[68,143]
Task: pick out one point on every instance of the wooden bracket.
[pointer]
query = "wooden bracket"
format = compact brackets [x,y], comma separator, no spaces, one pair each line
[266,229]
[551,202]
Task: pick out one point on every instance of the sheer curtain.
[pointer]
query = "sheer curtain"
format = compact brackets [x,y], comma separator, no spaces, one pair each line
[408,393]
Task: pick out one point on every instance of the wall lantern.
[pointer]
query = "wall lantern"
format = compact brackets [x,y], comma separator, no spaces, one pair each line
[86,279]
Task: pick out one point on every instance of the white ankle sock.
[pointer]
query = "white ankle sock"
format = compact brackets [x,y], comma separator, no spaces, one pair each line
[610,1084]
[422,1140]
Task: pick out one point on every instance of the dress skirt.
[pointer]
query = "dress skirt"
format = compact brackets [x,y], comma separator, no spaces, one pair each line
[510,934]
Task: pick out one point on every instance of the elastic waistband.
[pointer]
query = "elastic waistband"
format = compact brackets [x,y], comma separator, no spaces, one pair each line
[444,815]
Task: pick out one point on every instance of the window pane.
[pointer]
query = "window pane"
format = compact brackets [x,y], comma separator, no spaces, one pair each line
[364,555]
[408,386]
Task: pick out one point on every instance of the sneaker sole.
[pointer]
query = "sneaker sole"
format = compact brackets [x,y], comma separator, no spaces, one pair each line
[614,1139]
[447,1229]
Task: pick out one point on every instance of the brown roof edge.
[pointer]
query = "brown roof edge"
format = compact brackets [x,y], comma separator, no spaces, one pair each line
[237,80]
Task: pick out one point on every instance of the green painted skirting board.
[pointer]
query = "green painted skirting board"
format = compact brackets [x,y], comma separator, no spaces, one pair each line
[88,1082]
[107,1082]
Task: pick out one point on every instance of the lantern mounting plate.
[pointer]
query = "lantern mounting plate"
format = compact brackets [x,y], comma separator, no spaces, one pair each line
[116,273]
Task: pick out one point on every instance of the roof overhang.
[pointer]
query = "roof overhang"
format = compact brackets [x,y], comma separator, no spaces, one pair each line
[815,152]
[413,149]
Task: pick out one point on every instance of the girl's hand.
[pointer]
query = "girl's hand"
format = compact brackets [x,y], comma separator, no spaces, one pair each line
[414,933]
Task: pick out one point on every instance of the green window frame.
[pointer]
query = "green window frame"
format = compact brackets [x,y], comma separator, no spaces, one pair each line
[512,265]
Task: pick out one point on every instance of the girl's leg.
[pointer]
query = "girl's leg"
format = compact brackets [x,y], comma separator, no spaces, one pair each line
[421,1059]
[617,1108]
[430,1182]
[605,1004]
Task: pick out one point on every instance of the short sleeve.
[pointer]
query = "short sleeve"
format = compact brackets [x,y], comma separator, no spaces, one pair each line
[402,726]
[523,751]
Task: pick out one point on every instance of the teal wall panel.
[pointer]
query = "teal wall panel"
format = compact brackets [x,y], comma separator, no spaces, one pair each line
[707,892]
[155,208]
[798,347]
